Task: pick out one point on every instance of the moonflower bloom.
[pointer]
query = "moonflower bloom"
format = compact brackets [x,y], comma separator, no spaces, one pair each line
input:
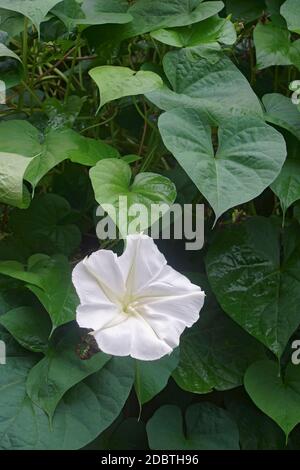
[135,304]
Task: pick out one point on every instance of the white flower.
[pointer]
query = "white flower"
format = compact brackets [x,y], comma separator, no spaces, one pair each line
[135,304]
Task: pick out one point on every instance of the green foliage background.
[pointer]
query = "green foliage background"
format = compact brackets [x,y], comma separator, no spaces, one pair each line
[186,100]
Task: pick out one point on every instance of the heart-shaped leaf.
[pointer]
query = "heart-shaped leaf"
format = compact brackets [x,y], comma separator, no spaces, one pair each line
[84,412]
[290,10]
[206,427]
[278,397]
[92,12]
[116,82]
[60,370]
[213,86]
[151,377]
[11,70]
[245,11]
[274,47]
[12,170]
[257,288]
[214,30]
[44,227]
[215,352]
[50,280]
[111,179]
[249,156]
[35,10]
[29,326]
[257,431]
[282,112]
[44,151]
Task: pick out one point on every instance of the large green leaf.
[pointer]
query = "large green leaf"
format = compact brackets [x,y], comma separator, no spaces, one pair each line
[11,68]
[151,377]
[61,369]
[282,112]
[249,156]
[290,10]
[168,14]
[274,47]
[245,10]
[207,427]
[115,82]
[92,12]
[29,326]
[278,397]
[111,178]
[35,10]
[84,412]
[213,30]
[214,87]
[255,284]
[287,184]
[11,22]
[46,151]
[44,226]
[12,171]
[216,352]
[257,431]
[50,280]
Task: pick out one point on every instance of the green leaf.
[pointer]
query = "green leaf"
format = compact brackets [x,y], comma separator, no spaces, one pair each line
[287,184]
[11,68]
[35,10]
[151,377]
[10,22]
[92,12]
[29,326]
[274,47]
[245,11]
[253,285]
[215,352]
[61,369]
[207,427]
[130,434]
[116,82]
[213,30]
[257,431]
[278,397]
[282,112]
[62,114]
[249,156]
[105,11]
[44,227]
[50,280]
[85,411]
[216,88]
[290,10]
[111,178]
[45,151]
[157,14]
[12,170]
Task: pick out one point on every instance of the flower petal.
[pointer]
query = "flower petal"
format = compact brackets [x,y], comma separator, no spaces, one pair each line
[132,338]
[96,316]
[103,265]
[140,263]
[88,289]
[171,315]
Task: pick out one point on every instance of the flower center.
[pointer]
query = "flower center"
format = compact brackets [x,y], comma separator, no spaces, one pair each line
[130,308]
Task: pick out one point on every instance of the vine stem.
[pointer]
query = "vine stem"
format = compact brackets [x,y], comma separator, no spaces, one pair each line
[25,48]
